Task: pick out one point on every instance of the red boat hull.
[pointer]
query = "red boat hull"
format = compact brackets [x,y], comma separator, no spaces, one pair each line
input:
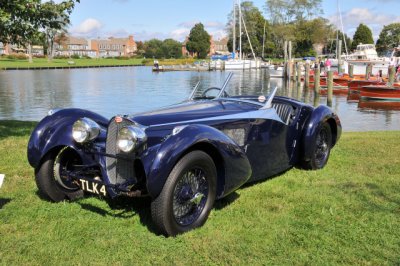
[380,92]
[379,105]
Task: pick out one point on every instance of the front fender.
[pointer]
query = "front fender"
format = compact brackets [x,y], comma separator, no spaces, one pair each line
[321,114]
[236,166]
[56,130]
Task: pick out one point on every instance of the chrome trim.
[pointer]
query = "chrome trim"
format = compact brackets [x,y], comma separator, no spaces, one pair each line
[258,114]
[268,104]
[194,91]
[224,85]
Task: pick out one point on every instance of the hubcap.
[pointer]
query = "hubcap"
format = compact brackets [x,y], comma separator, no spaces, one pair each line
[190,196]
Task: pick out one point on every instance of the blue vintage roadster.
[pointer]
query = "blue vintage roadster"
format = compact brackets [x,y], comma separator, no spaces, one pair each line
[184,156]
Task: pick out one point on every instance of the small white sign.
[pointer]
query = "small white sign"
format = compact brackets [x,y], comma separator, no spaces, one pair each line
[1,179]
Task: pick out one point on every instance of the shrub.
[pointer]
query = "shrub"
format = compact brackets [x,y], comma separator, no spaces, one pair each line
[17,56]
[61,57]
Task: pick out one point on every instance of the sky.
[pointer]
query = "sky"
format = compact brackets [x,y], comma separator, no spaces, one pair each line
[174,18]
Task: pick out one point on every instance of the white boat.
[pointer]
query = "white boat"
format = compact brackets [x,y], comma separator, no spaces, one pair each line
[364,55]
[239,63]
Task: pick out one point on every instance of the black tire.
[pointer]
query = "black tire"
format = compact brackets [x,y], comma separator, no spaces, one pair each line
[322,148]
[48,178]
[180,207]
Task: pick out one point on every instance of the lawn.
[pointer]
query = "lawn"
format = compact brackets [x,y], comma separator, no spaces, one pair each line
[42,62]
[346,213]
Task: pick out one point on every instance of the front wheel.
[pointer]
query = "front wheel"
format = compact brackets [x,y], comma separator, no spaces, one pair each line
[51,178]
[322,148]
[187,196]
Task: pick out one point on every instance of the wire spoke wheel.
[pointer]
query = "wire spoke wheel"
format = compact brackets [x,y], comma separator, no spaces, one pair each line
[322,147]
[190,196]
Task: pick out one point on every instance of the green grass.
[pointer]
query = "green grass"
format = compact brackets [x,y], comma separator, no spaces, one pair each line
[347,213]
[42,62]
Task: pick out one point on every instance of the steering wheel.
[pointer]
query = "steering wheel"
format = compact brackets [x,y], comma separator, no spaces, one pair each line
[204,94]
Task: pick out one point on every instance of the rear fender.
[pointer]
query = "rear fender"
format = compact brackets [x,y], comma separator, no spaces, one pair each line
[56,130]
[158,163]
[319,116]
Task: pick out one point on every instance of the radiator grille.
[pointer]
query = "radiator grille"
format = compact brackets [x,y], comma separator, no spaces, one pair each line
[119,170]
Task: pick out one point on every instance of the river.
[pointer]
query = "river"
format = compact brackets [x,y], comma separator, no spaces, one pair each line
[29,94]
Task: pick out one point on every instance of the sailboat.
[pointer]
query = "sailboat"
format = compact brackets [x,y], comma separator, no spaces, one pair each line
[237,62]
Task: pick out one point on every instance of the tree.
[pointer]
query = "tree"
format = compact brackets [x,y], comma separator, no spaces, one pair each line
[54,22]
[141,50]
[20,20]
[292,20]
[310,32]
[172,48]
[388,38]
[287,11]
[199,41]
[363,34]
[154,49]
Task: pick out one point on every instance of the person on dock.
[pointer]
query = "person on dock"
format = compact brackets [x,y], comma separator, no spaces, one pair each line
[156,65]
[322,66]
[328,64]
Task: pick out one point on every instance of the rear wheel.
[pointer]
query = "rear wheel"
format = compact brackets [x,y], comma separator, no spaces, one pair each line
[51,178]
[322,148]
[187,196]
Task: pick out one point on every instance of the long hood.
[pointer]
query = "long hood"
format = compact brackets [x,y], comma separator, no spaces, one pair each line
[188,111]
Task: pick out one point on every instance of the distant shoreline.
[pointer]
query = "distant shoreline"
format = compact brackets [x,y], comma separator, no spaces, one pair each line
[65,67]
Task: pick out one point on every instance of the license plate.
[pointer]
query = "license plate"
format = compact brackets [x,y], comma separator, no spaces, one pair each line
[93,187]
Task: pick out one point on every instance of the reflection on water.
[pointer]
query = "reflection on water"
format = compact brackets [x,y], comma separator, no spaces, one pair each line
[28,95]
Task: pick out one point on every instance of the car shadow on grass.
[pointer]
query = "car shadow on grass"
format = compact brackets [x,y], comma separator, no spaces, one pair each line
[126,208]
[3,202]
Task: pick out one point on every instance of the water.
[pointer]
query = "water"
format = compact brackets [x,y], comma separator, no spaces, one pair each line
[28,95]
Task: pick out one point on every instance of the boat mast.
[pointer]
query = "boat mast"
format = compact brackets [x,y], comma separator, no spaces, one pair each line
[234,29]
[240,30]
[341,23]
[248,37]
[263,47]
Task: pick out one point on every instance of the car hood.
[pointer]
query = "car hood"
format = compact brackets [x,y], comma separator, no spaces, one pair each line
[189,111]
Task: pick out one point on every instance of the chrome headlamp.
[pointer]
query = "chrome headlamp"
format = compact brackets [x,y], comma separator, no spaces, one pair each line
[130,137]
[85,130]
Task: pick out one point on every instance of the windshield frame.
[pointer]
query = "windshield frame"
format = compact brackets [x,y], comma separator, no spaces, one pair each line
[268,102]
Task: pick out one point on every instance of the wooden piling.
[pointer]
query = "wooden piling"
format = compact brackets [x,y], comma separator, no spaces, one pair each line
[339,52]
[391,74]
[351,70]
[317,80]
[316,99]
[307,76]
[298,72]
[330,88]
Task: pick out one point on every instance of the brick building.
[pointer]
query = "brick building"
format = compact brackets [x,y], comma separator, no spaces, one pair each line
[114,47]
[70,45]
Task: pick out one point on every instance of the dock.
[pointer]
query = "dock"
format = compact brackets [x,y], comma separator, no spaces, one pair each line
[182,68]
